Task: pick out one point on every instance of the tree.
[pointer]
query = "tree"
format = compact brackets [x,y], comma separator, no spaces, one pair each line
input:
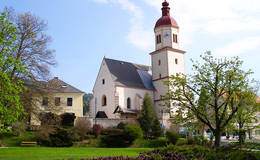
[86,101]
[10,87]
[246,113]
[148,119]
[32,45]
[32,49]
[221,78]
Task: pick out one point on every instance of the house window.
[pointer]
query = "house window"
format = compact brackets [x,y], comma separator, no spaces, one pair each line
[128,103]
[57,101]
[104,100]
[175,38]
[69,101]
[160,75]
[176,61]
[45,101]
[103,81]
[158,39]
[159,62]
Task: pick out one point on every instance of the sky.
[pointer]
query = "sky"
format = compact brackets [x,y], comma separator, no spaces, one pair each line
[85,31]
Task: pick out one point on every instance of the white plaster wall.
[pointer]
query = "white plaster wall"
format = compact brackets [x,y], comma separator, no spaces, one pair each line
[125,92]
[166,41]
[162,68]
[107,89]
[176,68]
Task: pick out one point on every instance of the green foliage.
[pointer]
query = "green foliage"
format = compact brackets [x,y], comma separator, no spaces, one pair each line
[86,101]
[150,143]
[11,140]
[248,145]
[172,137]
[63,137]
[132,132]
[209,95]
[19,128]
[121,125]
[10,87]
[182,141]
[148,119]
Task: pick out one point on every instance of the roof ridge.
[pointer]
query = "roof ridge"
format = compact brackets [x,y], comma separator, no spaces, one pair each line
[127,62]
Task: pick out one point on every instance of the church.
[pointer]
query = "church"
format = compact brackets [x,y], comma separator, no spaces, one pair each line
[120,86]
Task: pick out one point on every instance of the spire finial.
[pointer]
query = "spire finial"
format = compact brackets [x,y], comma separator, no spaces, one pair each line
[165,8]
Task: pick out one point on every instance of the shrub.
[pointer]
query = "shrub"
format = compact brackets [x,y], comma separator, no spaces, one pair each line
[150,143]
[132,132]
[82,126]
[108,131]
[67,119]
[182,141]
[97,130]
[190,140]
[121,125]
[156,128]
[43,135]
[172,137]
[19,128]
[63,137]
[49,118]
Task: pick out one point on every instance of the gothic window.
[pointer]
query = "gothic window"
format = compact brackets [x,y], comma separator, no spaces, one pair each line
[103,81]
[128,103]
[57,101]
[69,101]
[160,75]
[159,62]
[176,61]
[175,38]
[45,101]
[158,39]
[104,100]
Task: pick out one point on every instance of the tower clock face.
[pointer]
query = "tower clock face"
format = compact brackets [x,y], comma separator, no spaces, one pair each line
[166,34]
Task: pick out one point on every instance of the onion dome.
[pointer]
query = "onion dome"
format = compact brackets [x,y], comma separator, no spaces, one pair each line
[166,19]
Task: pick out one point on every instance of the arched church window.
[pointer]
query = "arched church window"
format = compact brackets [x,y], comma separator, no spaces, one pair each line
[176,61]
[103,81]
[104,100]
[158,39]
[159,62]
[128,103]
[160,75]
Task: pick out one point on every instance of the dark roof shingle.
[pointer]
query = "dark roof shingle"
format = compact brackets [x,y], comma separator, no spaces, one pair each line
[130,74]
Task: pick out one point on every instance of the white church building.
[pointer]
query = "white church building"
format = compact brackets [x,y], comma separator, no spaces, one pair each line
[120,86]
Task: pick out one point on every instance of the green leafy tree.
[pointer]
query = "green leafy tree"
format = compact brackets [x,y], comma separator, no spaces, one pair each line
[148,119]
[221,78]
[246,114]
[10,86]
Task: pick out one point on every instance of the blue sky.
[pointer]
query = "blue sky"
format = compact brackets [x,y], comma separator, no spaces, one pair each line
[84,31]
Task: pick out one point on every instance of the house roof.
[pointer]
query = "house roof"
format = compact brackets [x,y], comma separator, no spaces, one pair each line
[59,86]
[130,74]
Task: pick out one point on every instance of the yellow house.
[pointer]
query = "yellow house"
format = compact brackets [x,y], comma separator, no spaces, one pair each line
[59,97]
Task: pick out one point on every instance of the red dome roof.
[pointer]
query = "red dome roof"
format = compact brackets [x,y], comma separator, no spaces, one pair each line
[166,19]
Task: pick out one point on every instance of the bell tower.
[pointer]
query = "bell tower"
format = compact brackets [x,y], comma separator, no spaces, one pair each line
[167,59]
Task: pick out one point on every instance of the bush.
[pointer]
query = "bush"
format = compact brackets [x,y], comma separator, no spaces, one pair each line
[82,126]
[109,131]
[63,137]
[198,140]
[172,137]
[182,141]
[43,135]
[97,130]
[67,119]
[49,118]
[132,132]
[121,125]
[150,143]
[19,128]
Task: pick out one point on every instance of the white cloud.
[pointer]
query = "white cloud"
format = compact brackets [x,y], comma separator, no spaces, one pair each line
[238,47]
[138,35]
[210,17]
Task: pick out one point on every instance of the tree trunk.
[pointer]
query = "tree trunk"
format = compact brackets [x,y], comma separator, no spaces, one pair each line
[217,138]
[241,137]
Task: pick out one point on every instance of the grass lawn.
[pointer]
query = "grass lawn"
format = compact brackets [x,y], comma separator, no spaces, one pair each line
[47,153]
